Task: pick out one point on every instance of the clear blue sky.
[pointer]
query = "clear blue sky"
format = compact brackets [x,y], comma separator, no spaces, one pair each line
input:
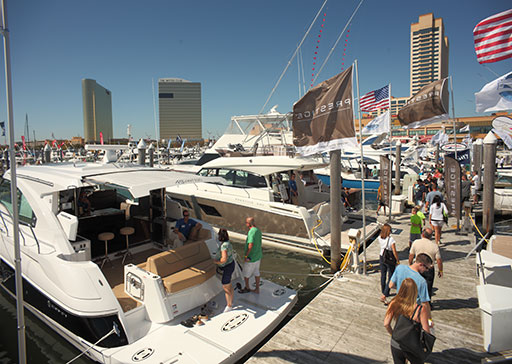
[236,49]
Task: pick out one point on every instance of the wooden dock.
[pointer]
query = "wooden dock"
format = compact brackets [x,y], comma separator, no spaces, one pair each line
[344,323]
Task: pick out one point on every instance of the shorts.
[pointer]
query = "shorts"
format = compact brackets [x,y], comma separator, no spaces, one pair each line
[252,269]
[413,237]
[437,223]
[227,272]
[473,190]
[381,203]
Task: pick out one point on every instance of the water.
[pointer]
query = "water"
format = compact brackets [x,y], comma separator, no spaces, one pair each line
[298,271]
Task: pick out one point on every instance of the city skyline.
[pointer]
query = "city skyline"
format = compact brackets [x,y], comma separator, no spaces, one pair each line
[235,50]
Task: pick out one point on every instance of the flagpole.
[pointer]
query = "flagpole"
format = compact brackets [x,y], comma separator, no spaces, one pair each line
[390,198]
[363,172]
[453,116]
[14,196]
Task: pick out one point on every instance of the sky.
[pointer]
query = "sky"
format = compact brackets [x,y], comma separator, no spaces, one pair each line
[236,49]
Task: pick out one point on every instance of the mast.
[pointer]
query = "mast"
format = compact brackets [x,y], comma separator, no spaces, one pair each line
[14,196]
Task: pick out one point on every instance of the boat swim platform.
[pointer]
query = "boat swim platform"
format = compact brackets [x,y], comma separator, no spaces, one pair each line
[344,322]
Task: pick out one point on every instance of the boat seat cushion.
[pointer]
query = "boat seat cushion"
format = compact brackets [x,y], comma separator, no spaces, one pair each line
[203,235]
[183,267]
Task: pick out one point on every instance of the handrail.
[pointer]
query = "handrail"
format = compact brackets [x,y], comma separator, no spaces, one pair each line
[21,223]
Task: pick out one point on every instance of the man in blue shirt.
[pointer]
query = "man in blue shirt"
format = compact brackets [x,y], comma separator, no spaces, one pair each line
[293,190]
[187,228]
[422,263]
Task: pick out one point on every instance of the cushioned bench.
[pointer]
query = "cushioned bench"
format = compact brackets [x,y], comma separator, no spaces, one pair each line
[184,267]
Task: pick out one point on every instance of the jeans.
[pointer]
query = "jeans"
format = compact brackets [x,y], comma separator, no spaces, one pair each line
[385,269]
[429,276]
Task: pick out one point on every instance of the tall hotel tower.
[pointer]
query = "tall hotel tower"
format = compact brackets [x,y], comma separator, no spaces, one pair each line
[429,52]
[97,105]
[179,105]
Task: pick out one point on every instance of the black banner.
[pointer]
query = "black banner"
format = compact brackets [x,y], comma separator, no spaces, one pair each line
[385,188]
[463,156]
[452,182]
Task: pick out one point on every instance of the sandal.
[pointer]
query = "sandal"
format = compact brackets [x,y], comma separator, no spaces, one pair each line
[384,301]
[244,290]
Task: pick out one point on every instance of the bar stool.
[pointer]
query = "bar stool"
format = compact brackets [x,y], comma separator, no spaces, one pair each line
[106,237]
[127,231]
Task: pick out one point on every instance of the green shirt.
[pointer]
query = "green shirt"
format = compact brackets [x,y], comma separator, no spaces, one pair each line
[226,245]
[254,237]
[415,219]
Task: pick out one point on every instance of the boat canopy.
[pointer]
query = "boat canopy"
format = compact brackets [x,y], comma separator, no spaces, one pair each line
[266,165]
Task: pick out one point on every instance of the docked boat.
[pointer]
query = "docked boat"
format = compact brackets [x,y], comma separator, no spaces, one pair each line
[257,186]
[101,267]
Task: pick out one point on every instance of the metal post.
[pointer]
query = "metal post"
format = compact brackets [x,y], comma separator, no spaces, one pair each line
[141,147]
[490,143]
[398,160]
[335,210]
[14,195]
[478,157]
[151,152]
[363,171]
[47,153]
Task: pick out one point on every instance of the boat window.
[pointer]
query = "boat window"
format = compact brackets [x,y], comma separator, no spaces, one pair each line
[25,212]
[207,172]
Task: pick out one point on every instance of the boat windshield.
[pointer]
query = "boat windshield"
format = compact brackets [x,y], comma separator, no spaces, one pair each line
[234,177]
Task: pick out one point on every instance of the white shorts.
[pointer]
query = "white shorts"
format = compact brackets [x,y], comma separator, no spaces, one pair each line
[473,190]
[437,223]
[252,269]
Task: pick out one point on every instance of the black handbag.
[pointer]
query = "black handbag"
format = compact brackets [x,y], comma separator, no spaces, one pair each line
[411,337]
[388,256]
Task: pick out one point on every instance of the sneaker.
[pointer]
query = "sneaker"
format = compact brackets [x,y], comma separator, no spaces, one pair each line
[228,308]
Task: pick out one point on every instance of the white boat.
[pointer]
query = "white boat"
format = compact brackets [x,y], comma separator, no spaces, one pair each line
[141,311]
[257,186]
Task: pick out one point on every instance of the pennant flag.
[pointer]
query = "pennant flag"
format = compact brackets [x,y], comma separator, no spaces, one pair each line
[507,139]
[374,100]
[101,138]
[182,145]
[496,95]
[23,141]
[2,125]
[178,139]
[464,129]
[378,125]
[493,38]
[428,106]
[323,119]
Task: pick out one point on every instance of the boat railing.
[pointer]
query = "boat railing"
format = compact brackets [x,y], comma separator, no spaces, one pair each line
[21,223]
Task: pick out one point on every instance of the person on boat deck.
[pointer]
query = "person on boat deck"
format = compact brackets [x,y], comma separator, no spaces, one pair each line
[84,203]
[224,259]
[187,228]
[345,191]
[294,195]
[375,172]
[252,257]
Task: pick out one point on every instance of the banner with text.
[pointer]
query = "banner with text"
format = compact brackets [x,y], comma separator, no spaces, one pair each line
[323,120]
[452,176]
[385,188]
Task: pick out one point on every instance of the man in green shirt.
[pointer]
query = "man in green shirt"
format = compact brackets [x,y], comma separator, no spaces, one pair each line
[252,256]
[415,226]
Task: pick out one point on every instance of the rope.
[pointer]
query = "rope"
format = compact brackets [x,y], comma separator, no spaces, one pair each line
[83,352]
[319,222]
[471,217]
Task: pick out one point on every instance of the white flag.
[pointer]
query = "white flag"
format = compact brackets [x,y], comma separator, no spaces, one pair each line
[496,95]
[507,139]
[439,138]
[464,129]
[378,125]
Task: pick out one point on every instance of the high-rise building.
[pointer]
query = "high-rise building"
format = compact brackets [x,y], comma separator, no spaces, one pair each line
[97,105]
[179,105]
[429,52]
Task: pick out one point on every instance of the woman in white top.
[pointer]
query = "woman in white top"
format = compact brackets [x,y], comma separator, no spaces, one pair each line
[386,241]
[437,211]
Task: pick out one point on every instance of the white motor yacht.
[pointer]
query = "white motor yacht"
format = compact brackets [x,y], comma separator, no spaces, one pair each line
[258,186]
[101,267]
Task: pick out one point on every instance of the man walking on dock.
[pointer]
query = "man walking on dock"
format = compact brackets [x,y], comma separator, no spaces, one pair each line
[252,257]
[426,246]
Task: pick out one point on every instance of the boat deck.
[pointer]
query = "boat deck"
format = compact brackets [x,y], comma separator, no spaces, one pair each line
[502,245]
[344,323]
[114,273]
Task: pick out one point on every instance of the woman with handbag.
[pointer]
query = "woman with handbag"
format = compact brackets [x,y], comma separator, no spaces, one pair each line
[414,318]
[388,260]
[438,215]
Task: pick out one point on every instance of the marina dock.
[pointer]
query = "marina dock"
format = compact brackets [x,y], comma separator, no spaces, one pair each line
[344,323]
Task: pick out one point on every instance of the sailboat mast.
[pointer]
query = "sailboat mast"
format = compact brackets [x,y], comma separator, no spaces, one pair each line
[14,196]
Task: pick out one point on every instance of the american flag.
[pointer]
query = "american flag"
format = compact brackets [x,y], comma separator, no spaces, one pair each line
[373,100]
[493,38]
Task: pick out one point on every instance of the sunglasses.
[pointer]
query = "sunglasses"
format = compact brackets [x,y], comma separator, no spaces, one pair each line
[186,215]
